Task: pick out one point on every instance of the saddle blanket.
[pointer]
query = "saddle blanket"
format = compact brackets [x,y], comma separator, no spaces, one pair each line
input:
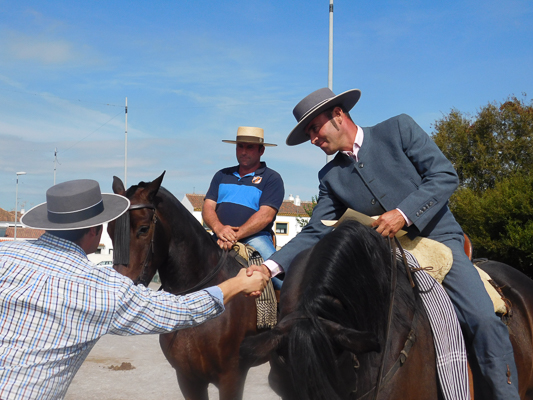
[452,365]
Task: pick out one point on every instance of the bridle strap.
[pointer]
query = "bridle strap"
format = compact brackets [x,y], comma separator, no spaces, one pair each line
[209,277]
[143,277]
[394,278]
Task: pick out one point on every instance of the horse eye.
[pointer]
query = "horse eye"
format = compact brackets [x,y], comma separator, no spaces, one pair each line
[143,230]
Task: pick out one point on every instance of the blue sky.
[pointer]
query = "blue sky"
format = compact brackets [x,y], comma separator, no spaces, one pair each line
[195,71]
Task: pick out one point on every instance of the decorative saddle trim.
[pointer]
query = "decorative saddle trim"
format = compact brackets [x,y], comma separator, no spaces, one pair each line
[267,304]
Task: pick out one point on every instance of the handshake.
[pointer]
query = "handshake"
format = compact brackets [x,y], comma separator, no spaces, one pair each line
[251,282]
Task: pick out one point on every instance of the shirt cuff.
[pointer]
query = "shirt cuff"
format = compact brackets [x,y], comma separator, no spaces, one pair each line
[216,292]
[408,222]
[274,267]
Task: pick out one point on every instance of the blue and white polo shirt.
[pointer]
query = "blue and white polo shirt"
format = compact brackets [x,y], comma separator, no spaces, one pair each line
[238,198]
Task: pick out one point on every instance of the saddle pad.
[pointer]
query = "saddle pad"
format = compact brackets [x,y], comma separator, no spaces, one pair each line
[437,259]
[267,305]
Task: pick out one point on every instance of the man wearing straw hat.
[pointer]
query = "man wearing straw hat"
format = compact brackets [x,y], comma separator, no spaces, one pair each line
[395,170]
[242,201]
[56,304]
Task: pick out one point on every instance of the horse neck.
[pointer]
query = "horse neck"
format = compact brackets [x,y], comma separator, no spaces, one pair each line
[192,253]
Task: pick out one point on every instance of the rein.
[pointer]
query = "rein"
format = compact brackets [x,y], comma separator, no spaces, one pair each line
[394,279]
[209,277]
[411,338]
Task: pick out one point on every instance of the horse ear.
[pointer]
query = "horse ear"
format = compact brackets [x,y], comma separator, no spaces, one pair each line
[153,187]
[118,186]
[355,341]
[255,350]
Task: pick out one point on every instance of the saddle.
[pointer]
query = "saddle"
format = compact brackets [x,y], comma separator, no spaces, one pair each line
[434,257]
[437,259]
[267,304]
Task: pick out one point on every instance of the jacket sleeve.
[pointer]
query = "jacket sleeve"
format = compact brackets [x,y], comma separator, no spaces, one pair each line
[438,179]
[328,208]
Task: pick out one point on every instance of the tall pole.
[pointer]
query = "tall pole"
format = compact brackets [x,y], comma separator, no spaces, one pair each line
[16,202]
[330,59]
[126,148]
[330,64]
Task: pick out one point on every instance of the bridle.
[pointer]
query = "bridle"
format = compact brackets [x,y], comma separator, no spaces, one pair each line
[411,337]
[144,277]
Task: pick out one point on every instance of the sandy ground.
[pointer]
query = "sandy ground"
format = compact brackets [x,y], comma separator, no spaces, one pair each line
[150,376]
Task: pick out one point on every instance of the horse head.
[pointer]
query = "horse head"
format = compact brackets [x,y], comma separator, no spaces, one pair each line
[138,232]
[333,314]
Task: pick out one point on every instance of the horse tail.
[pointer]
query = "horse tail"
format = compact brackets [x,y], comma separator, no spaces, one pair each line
[315,374]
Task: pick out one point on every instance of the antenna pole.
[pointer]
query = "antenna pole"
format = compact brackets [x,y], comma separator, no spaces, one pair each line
[330,59]
[126,148]
[55,160]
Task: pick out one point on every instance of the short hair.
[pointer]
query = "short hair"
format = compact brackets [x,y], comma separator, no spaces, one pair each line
[329,112]
[73,235]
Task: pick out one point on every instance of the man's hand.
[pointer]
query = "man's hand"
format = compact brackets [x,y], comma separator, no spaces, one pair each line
[249,284]
[254,269]
[227,233]
[224,245]
[390,223]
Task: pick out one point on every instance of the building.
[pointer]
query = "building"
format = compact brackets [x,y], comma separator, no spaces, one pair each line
[287,223]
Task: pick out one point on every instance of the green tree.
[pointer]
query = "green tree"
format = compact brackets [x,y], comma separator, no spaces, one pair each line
[308,208]
[493,158]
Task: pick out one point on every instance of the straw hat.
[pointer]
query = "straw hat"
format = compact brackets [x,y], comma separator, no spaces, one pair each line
[316,103]
[75,204]
[248,134]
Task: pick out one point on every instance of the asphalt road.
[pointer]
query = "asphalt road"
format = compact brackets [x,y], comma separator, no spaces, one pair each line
[103,376]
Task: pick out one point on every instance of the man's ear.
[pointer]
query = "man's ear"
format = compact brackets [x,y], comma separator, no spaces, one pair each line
[338,115]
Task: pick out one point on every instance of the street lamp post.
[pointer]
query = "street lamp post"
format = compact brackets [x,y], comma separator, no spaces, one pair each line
[17,202]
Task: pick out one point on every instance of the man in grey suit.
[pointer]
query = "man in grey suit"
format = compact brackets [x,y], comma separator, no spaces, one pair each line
[395,170]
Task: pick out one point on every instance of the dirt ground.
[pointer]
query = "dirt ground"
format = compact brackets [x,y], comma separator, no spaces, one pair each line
[134,368]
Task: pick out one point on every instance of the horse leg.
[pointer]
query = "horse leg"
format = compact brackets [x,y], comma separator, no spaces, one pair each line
[193,390]
[231,385]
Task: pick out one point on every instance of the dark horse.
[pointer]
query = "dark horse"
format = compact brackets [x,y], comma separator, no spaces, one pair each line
[329,343]
[166,237]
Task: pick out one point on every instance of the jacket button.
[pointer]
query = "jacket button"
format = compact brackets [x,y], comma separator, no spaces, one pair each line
[418,213]
[373,201]
[361,165]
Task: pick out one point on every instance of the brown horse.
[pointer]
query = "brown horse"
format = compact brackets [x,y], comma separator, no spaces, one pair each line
[165,237]
[333,323]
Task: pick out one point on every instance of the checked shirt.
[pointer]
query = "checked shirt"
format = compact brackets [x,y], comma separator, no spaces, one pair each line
[55,304]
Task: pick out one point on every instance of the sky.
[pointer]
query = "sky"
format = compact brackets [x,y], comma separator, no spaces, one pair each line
[194,71]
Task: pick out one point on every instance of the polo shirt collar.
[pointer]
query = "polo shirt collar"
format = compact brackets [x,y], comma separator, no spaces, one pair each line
[258,171]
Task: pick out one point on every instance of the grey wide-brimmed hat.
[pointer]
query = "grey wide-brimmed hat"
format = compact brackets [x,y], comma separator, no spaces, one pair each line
[75,204]
[249,134]
[316,103]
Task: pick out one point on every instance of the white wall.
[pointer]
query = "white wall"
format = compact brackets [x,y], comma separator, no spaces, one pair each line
[106,248]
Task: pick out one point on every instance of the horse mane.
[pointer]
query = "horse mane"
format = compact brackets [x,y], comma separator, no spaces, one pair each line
[347,282]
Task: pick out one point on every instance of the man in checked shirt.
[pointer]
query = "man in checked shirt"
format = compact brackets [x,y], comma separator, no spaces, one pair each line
[55,304]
